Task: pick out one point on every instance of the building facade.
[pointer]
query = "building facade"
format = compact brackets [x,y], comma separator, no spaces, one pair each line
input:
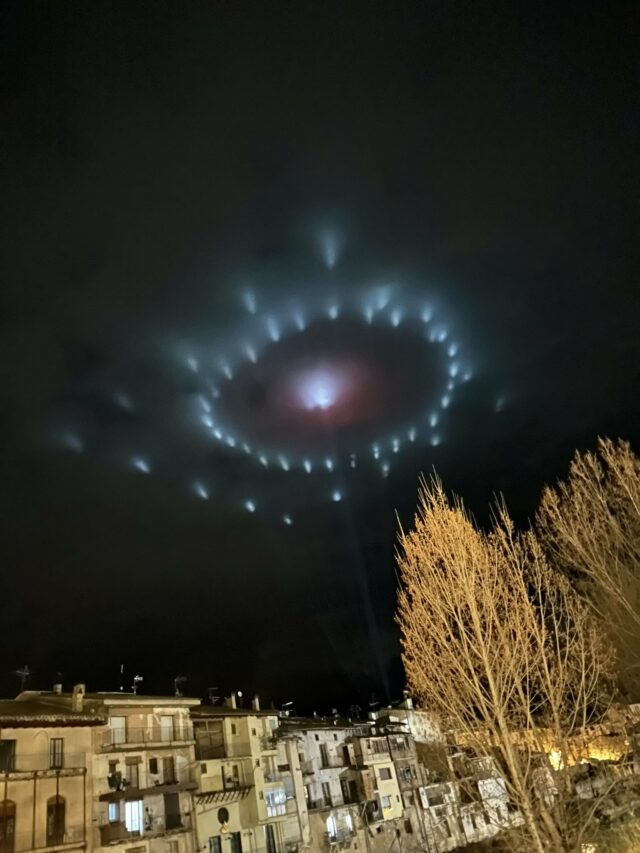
[46,783]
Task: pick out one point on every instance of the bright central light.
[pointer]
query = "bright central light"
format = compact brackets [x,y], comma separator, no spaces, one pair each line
[319,389]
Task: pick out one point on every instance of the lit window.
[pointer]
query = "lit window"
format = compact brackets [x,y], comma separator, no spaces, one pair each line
[386,803]
[114,813]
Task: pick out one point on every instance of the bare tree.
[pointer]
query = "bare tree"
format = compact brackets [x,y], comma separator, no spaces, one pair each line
[590,527]
[500,646]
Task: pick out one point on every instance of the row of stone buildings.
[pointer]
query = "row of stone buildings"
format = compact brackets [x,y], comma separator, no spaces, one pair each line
[148,774]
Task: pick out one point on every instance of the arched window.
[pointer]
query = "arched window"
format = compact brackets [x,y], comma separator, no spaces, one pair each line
[55,820]
[7,825]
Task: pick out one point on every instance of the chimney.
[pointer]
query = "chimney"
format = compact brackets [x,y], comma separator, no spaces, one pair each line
[57,688]
[255,703]
[77,698]
[230,701]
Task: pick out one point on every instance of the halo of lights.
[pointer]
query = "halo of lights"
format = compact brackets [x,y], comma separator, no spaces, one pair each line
[317,385]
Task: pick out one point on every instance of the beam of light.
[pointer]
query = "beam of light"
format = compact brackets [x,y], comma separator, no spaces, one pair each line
[262,459]
[141,464]
[249,301]
[445,401]
[382,297]
[442,335]
[427,314]
[336,495]
[230,441]
[207,420]
[452,350]
[328,464]
[124,401]
[451,385]
[368,313]
[466,376]
[250,506]
[250,352]
[454,369]
[307,466]
[411,434]
[330,246]
[395,445]
[246,448]
[225,367]
[396,317]
[334,311]
[218,434]
[433,419]
[499,405]
[435,440]
[385,468]
[284,462]
[272,329]
[201,491]
[205,404]
[192,363]
[72,441]
[286,519]
[298,319]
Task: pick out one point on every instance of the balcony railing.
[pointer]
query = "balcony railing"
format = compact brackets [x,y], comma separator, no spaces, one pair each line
[114,832]
[340,836]
[21,842]
[209,748]
[114,739]
[329,761]
[39,761]
[147,782]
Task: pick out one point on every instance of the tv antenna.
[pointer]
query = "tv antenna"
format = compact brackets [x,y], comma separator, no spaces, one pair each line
[23,674]
[137,679]
[177,682]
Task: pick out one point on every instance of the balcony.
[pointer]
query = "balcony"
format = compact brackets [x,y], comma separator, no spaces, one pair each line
[181,779]
[333,761]
[134,737]
[114,833]
[340,836]
[44,763]
[277,775]
[72,837]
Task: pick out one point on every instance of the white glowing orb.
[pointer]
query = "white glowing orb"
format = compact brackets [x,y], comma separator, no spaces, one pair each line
[319,389]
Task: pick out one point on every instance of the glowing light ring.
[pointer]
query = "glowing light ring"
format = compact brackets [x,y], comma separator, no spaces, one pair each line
[377,305]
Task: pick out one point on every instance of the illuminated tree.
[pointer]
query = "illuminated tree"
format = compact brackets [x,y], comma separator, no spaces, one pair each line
[590,527]
[500,646]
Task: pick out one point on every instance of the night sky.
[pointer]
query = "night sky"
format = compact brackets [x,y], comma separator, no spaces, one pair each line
[179,180]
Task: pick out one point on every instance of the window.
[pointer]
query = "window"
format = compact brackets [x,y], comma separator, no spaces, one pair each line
[118,726]
[326,793]
[174,846]
[385,773]
[133,816]
[113,767]
[253,732]
[56,753]
[141,849]
[236,842]
[7,755]
[335,737]
[55,820]
[270,839]
[324,755]
[153,766]
[166,729]
[215,844]
[276,801]
[7,825]
[386,803]
[113,812]
[168,770]
[317,737]
[233,728]
[132,775]
[332,828]
[173,818]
